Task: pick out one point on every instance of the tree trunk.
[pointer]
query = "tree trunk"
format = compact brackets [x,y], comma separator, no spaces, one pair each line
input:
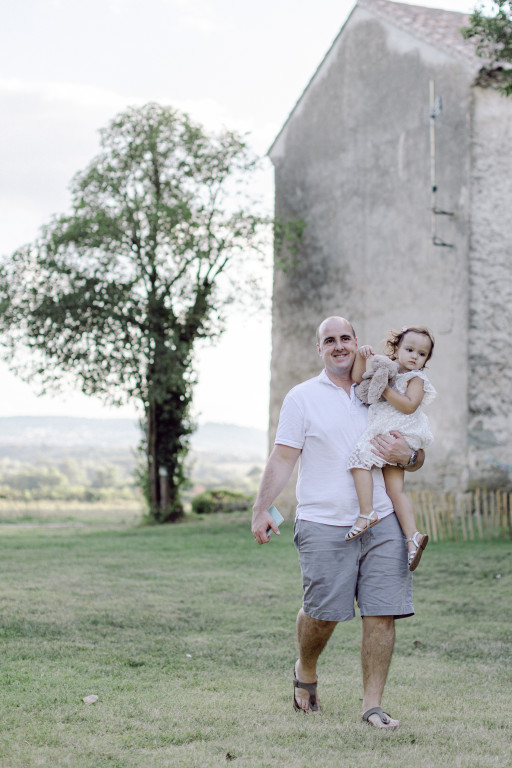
[168,424]
[151,456]
[166,449]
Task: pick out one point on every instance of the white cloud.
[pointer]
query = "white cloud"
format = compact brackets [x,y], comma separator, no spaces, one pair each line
[19,399]
[202,17]
[77,94]
[49,131]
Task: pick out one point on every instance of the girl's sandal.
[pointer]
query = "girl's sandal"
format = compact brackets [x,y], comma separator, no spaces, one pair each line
[355,532]
[420,541]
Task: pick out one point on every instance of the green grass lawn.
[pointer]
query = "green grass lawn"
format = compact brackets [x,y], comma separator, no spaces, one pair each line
[186,635]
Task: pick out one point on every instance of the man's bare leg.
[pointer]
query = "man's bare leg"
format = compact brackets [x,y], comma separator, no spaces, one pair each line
[376,651]
[312,637]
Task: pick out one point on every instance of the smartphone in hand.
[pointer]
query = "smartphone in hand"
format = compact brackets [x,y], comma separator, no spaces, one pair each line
[277,517]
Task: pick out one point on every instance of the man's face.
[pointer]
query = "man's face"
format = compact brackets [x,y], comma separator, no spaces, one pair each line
[337,346]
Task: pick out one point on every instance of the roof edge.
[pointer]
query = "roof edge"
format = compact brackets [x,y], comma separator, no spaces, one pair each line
[373,8]
[310,81]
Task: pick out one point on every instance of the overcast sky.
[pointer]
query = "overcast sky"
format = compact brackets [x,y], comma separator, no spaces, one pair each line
[68,66]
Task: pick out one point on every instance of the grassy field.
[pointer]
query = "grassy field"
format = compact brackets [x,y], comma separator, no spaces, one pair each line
[186,635]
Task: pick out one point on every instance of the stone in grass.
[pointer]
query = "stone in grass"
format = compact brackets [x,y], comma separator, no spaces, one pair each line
[92,699]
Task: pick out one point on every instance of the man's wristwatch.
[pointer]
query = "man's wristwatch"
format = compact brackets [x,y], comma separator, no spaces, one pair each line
[412,461]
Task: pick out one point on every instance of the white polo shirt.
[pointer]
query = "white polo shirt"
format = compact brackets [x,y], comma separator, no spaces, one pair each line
[325,423]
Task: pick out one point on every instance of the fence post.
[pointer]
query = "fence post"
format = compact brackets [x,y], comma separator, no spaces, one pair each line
[503,513]
[461,515]
[469,507]
[478,517]
[426,514]
[433,516]
[485,508]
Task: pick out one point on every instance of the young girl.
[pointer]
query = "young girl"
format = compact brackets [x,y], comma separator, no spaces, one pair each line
[401,412]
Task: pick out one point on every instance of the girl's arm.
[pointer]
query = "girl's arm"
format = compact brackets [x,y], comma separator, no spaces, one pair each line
[410,401]
[359,367]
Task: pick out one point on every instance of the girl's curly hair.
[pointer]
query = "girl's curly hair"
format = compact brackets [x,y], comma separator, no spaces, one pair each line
[395,338]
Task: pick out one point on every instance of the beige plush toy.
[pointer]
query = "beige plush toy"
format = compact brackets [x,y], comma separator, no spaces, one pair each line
[382,371]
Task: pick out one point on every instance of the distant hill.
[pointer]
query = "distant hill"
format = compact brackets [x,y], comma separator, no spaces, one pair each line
[244,442]
[68,431]
[24,436]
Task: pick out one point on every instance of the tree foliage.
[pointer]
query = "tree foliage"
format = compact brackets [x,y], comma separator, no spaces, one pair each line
[116,294]
[493,37]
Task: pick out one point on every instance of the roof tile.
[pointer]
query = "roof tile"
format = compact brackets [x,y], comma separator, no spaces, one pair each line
[432,25]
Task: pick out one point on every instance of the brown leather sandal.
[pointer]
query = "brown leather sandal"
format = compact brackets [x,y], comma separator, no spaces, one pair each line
[311,689]
[383,716]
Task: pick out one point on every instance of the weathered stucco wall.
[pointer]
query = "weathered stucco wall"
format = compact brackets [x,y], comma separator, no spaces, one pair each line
[354,162]
[490,272]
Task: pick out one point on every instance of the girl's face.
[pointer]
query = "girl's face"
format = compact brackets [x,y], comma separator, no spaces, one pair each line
[413,352]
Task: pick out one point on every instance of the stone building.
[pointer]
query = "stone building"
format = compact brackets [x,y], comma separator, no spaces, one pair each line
[398,156]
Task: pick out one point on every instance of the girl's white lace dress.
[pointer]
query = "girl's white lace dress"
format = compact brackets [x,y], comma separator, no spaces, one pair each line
[384,418]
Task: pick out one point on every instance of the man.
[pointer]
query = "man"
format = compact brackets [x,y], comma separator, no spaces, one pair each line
[320,422]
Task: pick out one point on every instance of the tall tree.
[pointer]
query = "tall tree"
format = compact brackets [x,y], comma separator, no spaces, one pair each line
[116,294]
[492,34]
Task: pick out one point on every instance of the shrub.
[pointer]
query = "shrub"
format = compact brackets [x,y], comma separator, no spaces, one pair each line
[212,501]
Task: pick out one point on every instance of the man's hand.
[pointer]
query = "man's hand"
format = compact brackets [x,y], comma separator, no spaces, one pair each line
[275,476]
[395,449]
[261,522]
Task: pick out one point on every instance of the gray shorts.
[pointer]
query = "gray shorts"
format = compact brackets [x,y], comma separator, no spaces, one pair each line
[371,570]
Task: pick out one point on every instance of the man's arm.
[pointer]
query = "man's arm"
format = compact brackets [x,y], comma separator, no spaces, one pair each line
[397,450]
[277,472]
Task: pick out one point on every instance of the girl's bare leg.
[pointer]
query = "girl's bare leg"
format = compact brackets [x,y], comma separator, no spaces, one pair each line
[363,482]
[394,479]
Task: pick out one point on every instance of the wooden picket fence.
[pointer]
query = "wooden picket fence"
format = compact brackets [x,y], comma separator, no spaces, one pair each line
[479,514]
